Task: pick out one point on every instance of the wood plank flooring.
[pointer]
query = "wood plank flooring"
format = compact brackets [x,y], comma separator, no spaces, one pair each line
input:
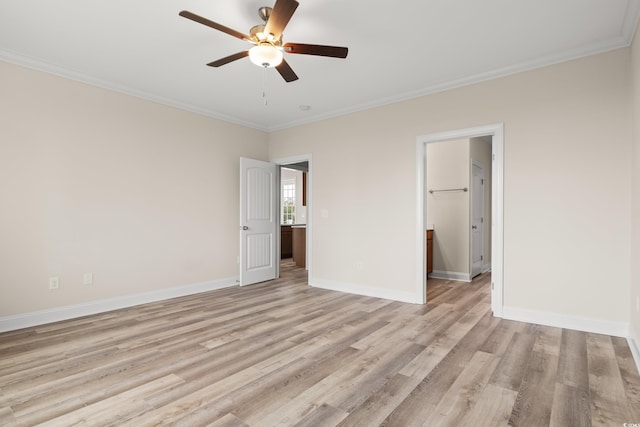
[282,353]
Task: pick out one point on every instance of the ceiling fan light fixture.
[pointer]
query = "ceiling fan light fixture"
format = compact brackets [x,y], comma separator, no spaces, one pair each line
[265,55]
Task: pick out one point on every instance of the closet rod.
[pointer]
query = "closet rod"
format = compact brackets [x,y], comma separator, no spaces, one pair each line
[465,189]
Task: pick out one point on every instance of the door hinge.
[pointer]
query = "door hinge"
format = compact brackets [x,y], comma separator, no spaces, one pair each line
[481,257]
[481,220]
[482,181]
[493,157]
[491,285]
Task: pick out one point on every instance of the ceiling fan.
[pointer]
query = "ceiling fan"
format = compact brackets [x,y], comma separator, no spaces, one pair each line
[268,50]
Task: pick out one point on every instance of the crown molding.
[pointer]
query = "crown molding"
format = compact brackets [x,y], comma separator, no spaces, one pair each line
[38,65]
[582,52]
[624,40]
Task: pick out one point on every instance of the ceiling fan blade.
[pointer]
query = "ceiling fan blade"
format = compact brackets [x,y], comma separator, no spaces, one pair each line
[286,72]
[280,16]
[204,21]
[222,61]
[315,49]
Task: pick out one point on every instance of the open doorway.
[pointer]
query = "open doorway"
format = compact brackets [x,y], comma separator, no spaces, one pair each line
[294,207]
[261,216]
[458,225]
[458,192]
[293,213]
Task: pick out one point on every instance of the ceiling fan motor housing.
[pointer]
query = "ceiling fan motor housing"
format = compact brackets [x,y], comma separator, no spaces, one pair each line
[259,36]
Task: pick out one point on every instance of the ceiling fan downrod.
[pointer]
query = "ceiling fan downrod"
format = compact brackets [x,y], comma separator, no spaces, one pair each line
[264,13]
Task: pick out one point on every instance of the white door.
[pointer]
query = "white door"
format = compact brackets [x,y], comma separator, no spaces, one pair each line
[258,221]
[477,220]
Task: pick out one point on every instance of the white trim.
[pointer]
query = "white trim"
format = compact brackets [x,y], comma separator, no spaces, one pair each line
[284,182]
[421,219]
[635,351]
[480,165]
[631,20]
[622,41]
[560,320]
[39,65]
[35,318]
[617,43]
[283,161]
[497,207]
[369,291]
[278,250]
[450,275]
[497,221]
[634,345]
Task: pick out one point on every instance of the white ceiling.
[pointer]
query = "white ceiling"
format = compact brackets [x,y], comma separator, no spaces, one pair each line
[397,50]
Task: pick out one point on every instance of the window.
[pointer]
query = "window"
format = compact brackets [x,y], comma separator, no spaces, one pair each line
[288,202]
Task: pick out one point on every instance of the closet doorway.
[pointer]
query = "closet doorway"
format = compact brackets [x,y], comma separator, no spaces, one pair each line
[494,206]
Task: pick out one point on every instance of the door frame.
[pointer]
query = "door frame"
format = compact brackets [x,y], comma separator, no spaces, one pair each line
[284,161]
[471,212]
[496,131]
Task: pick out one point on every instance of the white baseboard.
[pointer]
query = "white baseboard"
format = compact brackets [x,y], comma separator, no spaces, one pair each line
[558,320]
[19,321]
[450,275]
[369,291]
[634,344]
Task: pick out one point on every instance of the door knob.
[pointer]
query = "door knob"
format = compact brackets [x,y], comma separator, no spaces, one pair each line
[473,227]
[244,228]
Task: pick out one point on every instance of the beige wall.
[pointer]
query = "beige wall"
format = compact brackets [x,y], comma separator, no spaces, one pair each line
[566,194]
[635,213]
[448,165]
[142,195]
[145,196]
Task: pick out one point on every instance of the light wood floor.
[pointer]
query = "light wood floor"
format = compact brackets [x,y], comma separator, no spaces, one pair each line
[282,353]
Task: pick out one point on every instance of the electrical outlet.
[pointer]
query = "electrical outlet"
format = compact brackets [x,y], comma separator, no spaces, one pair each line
[54,282]
[88,279]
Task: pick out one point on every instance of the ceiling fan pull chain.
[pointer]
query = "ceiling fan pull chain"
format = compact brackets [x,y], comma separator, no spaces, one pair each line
[264,90]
